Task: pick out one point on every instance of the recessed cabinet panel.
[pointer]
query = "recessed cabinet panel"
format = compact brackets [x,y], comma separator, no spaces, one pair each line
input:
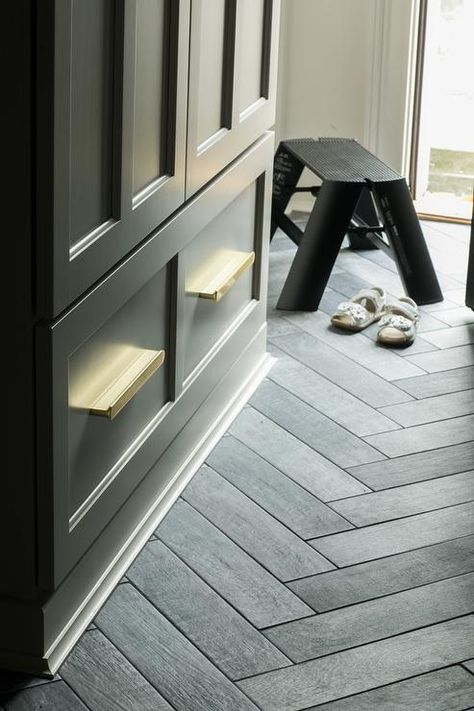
[112,90]
[92,116]
[250,59]
[115,390]
[211,62]
[218,276]
[149,111]
[232,82]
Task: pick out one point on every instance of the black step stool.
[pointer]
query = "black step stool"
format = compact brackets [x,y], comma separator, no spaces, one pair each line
[360,196]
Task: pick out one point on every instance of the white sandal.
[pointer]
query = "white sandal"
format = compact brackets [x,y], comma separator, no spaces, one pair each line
[363,309]
[398,323]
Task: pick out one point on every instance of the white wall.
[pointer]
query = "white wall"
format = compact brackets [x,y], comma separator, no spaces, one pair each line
[345,70]
[324,68]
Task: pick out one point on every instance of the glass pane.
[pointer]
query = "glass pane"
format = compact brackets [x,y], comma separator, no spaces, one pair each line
[445,169]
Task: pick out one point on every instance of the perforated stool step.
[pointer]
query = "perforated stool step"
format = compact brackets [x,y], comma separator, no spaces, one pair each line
[360,196]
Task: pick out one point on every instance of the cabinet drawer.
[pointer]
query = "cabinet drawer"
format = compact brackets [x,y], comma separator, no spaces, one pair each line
[218,276]
[103,393]
[117,383]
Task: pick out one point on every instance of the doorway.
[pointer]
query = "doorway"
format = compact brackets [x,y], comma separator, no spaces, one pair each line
[442,166]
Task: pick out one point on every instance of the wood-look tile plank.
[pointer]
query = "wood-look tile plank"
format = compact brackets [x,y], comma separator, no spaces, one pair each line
[273,545]
[407,500]
[450,689]
[456,317]
[457,294]
[387,364]
[105,680]
[376,578]
[311,427]
[363,668]
[330,301]
[354,263]
[447,359]
[352,377]
[469,664]
[448,381]
[56,696]
[288,502]
[440,407]
[452,337]
[204,617]
[174,666]
[244,583]
[279,326]
[385,539]
[423,437]
[417,467]
[375,619]
[326,397]
[293,457]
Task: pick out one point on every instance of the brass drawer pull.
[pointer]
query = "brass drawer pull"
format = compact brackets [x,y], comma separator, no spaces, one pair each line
[113,398]
[220,275]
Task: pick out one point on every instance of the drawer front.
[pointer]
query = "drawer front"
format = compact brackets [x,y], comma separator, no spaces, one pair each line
[218,270]
[114,386]
[117,384]
[232,82]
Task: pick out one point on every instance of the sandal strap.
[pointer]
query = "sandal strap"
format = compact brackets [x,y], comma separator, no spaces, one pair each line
[357,312]
[373,295]
[402,308]
[396,321]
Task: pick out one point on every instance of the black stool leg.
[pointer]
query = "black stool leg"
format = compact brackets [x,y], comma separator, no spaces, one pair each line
[366,213]
[406,238]
[319,246]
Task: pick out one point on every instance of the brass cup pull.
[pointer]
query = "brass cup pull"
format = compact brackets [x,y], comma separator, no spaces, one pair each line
[113,397]
[216,277]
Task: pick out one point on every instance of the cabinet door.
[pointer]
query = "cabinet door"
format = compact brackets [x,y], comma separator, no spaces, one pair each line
[112,122]
[232,82]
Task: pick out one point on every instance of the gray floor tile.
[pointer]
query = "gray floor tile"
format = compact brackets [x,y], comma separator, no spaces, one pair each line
[105,680]
[386,364]
[174,666]
[375,619]
[311,427]
[417,467]
[245,584]
[407,500]
[448,359]
[232,644]
[273,545]
[360,669]
[338,369]
[447,381]
[295,507]
[328,398]
[385,539]
[445,690]
[424,437]
[293,457]
[439,407]
[452,337]
[385,576]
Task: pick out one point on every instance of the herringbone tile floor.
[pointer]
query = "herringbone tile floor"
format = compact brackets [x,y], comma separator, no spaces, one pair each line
[323,557]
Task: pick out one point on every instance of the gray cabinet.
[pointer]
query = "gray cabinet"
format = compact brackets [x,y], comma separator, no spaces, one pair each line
[139,275]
